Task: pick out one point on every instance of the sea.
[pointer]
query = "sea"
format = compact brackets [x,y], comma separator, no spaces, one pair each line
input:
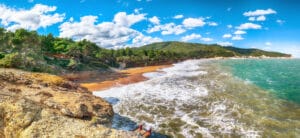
[213,98]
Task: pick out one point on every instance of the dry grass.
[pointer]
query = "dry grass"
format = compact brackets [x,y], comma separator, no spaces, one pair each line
[46,78]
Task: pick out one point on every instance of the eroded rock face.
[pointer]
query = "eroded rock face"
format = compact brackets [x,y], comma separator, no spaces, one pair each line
[42,105]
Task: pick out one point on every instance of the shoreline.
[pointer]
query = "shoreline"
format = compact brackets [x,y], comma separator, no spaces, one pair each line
[121,77]
[98,81]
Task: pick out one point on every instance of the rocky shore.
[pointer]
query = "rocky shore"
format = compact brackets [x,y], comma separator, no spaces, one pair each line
[43,105]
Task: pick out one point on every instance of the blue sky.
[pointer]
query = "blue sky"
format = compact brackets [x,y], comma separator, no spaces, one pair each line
[268,24]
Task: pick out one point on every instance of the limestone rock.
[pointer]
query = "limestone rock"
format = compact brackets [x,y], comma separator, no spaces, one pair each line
[43,105]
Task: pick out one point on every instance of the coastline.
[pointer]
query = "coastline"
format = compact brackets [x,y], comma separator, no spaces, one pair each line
[120,77]
[98,81]
[221,94]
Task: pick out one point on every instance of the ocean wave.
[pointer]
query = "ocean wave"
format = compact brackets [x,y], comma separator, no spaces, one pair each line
[192,99]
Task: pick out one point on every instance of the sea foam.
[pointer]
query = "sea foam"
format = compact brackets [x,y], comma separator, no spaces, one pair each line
[175,101]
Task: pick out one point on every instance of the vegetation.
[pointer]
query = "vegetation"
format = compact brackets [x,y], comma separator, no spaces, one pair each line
[45,53]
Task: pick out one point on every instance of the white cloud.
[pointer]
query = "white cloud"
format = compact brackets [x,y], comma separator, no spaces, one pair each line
[141,40]
[192,36]
[280,21]
[259,12]
[137,10]
[261,18]
[122,19]
[178,16]
[193,22]
[206,39]
[106,34]
[237,37]
[212,24]
[251,18]
[167,29]
[268,43]
[154,20]
[229,26]
[246,26]
[113,34]
[32,19]
[225,43]
[239,32]
[227,36]
[71,19]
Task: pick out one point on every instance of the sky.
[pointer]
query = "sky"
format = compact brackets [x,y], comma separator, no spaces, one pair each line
[271,25]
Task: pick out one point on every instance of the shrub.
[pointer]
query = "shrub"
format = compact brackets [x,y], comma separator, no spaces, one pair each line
[11,60]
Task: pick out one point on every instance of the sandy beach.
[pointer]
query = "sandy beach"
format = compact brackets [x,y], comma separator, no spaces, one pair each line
[101,81]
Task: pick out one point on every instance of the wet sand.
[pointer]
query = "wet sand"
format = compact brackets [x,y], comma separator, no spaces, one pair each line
[105,80]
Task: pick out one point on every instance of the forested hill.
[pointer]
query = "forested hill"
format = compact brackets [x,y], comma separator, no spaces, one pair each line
[45,53]
[209,50]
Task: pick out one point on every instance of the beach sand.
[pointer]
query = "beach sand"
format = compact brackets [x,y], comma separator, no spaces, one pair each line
[105,80]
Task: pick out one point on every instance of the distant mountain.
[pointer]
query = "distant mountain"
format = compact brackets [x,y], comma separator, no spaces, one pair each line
[211,50]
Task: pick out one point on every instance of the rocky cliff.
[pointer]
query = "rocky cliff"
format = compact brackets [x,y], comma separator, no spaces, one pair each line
[43,105]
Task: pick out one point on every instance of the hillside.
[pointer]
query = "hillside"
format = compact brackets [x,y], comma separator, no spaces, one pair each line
[28,50]
[212,50]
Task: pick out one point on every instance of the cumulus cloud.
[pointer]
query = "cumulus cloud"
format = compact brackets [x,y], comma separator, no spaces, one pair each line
[225,43]
[259,18]
[207,39]
[122,19]
[167,29]
[154,20]
[192,36]
[259,15]
[212,24]
[141,40]
[251,18]
[106,34]
[246,26]
[32,19]
[260,12]
[179,16]
[237,37]
[113,34]
[229,26]
[193,22]
[239,32]
[227,36]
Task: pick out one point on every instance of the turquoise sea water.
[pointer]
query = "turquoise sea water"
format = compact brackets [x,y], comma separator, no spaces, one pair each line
[278,76]
[213,98]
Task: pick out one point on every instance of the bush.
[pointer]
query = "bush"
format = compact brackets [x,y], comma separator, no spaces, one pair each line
[11,60]
[2,56]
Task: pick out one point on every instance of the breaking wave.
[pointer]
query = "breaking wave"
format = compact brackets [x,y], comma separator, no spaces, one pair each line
[200,98]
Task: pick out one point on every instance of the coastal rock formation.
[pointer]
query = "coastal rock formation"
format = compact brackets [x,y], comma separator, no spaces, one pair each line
[43,105]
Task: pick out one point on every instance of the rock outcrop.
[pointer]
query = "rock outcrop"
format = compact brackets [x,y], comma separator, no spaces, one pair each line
[43,105]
